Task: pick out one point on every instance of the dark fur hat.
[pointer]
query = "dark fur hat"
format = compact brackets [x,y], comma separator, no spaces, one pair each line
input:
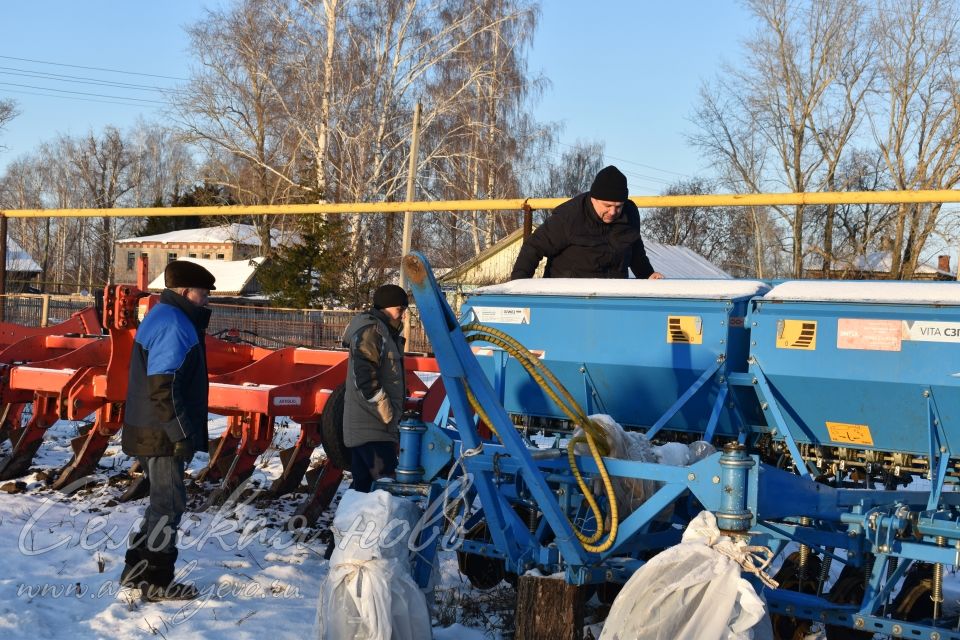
[390,295]
[183,273]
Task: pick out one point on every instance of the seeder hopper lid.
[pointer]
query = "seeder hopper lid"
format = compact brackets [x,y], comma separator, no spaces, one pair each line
[858,291]
[718,289]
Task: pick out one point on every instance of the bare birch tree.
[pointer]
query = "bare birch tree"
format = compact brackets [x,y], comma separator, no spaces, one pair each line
[233,105]
[916,115]
[791,107]
[8,111]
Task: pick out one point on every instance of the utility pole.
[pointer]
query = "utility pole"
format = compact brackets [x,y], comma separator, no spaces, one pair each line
[408,215]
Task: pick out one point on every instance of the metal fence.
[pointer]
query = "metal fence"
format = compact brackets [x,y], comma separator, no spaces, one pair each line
[40,310]
[273,327]
[264,326]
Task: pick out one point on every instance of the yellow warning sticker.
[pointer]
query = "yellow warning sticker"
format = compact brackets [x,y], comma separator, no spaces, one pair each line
[797,334]
[850,433]
[684,330]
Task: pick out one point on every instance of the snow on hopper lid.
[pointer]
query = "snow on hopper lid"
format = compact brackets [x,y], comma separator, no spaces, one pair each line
[719,289]
[944,293]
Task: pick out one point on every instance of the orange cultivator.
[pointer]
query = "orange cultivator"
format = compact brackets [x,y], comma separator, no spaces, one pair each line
[79,368]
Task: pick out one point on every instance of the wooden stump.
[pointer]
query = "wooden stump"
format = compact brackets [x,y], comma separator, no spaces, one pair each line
[549,609]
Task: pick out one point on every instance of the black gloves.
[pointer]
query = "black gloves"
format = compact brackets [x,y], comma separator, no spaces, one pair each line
[183,451]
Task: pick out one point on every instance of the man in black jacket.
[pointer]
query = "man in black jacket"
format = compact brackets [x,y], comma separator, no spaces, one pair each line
[165,422]
[593,235]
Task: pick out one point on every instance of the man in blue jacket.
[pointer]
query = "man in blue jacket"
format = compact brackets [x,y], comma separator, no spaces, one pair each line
[165,422]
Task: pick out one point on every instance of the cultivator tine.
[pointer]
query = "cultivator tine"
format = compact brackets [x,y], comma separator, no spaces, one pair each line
[325,481]
[256,439]
[4,422]
[139,488]
[27,440]
[89,446]
[18,462]
[224,451]
[296,459]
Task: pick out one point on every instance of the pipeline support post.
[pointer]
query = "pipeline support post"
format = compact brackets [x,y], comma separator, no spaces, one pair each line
[527,218]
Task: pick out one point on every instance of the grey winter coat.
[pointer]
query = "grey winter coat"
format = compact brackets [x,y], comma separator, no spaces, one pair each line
[376,362]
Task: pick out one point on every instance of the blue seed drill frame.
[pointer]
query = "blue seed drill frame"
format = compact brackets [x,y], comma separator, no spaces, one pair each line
[811,398]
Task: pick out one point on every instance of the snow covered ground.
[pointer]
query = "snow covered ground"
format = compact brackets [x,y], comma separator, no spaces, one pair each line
[62,555]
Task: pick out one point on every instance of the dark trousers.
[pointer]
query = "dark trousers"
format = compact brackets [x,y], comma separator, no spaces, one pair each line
[168,501]
[372,461]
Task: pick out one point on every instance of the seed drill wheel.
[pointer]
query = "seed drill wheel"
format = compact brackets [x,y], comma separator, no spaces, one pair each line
[848,589]
[331,429]
[913,603]
[787,627]
[481,571]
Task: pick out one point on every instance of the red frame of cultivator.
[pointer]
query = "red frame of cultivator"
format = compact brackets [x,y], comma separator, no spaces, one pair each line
[74,370]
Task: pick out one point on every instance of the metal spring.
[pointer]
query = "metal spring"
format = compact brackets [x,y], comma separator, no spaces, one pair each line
[868,569]
[804,557]
[937,587]
[892,563]
[532,519]
[824,571]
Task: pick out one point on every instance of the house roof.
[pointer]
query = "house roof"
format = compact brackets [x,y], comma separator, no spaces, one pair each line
[670,260]
[882,261]
[454,274]
[680,262]
[234,232]
[231,276]
[19,260]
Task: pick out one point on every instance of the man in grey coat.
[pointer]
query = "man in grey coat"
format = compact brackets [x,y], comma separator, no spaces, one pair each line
[375,387]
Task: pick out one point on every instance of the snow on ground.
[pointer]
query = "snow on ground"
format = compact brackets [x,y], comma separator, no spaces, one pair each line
[62,556]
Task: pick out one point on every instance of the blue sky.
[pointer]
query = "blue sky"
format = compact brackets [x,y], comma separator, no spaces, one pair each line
[622,72]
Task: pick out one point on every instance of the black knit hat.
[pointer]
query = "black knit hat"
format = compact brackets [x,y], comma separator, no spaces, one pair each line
[389,295]
[610,185]
[183,273]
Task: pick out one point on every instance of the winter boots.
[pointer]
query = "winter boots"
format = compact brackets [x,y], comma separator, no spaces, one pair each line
[152,572]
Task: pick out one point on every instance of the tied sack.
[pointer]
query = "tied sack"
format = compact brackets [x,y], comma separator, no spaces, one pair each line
[692,591]
[369,593]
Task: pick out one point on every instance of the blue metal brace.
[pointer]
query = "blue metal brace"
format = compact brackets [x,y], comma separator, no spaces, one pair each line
[715,413]
[772,410]
[460,370]
[939,451]
[595,403]
[682,400]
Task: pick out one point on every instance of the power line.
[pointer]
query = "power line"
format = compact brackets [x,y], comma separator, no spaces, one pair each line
[48,95]
[634,162]
[628,173]
[58,77]
[83,93]
[78,66]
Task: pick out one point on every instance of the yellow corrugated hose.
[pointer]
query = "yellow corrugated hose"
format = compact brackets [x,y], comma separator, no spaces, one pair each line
[593,435]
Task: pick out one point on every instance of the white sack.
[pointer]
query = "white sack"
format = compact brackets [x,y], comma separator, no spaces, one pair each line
[372,600]
[369,593]
[633,445]
[692,591]
[372,526]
